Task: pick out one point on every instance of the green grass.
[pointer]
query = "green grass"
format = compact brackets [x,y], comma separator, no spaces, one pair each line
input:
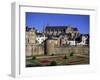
[59,61]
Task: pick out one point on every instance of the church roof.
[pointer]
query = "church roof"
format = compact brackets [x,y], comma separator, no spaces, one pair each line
[60,27]
[56,27]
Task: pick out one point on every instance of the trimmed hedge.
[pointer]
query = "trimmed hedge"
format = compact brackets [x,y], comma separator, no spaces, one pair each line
[33,57]
[53,63]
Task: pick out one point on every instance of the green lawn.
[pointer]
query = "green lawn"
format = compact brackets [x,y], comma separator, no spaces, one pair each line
[59,59]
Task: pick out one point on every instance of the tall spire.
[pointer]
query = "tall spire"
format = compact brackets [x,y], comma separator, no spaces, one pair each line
[45,27]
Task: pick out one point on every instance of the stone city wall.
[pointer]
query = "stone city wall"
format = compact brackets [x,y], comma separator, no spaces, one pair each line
[53,49]
[32,50]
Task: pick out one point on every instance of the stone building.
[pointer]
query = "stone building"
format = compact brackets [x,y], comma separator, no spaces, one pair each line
[30,36]
[54,40]
[30,40]
[84,39]
[50,46]
[32,47]
[64,40]
[57,30]
[53,48]
[40,37]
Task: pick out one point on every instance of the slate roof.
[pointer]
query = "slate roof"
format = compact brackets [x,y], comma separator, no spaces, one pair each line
[28,28]
[59,27]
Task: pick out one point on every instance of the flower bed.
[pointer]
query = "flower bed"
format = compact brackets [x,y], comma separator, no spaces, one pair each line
[44,61]
[51,57]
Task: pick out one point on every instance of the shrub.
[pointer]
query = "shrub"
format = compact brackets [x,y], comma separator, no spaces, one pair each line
[53,63]
[52,54]
[65,57]
[33,57]
[71,54]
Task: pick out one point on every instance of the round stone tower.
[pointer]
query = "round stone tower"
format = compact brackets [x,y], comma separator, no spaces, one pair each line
[50,46]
